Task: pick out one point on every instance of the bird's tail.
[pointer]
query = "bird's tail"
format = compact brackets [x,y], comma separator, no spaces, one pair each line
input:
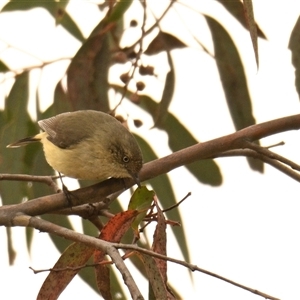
[25,141]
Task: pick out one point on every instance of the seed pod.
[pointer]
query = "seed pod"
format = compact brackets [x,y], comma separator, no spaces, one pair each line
[146,70]
[140,85]
[125,78]
[133,23]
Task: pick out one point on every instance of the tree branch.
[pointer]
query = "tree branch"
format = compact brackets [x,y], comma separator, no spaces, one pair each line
[100,191]
[192,268]
[106,247]
[110,249]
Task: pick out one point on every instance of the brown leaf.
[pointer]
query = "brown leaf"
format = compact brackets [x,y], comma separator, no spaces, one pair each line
[154,276]
[235,7]
[160,242]
[294,46]
[164,41]
[88,74]
[167,96]
[252,27]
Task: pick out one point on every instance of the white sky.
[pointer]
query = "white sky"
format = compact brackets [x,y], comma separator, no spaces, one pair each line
[248,229]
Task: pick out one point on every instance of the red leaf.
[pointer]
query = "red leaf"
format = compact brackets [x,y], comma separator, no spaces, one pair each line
[160,242]
[76,255]
[113,231]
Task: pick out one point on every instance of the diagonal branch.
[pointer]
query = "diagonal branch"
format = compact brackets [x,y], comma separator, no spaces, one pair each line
[106,247]
[110,249]
[267,159]
[192,268]
[100,191]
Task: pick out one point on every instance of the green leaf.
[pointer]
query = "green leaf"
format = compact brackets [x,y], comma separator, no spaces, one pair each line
[118,11]
[141,201]
[294,46]
[10,249]
[15,120]
[235,7]
[68,23]
[206,171]
[234,81]
[59,10]
[3,67]
[55,8]
[14,5]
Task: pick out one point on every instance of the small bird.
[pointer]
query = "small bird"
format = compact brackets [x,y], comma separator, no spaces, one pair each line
[88,144]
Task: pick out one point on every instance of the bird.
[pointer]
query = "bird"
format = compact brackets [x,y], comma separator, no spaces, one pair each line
[88,145]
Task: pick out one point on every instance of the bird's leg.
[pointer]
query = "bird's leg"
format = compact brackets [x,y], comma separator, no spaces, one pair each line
[65,190]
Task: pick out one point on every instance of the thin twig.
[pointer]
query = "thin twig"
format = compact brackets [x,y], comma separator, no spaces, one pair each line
[192,268]
[177,204]
[110,249]
[49,180]
[272,155]
[272,162]
[106,247]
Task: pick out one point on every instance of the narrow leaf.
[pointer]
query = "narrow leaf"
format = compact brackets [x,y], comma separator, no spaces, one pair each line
[55,8]
[167,95]
[113,231]
[76,255]
[234,81]
[118,11]
[83,86]
[68,23]
[3,67]
[162,187]
[160,242]
[15,120]
[164,42]
[248,7]
[60,103]
[59,10]
[294,46]
[206,171]
[156,281]
[14,5]
[235,7]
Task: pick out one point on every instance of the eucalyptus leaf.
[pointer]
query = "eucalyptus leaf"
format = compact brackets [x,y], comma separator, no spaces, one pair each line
[15,120]
[164,191]
[294,46]
[3,67]
[234,81]
[236,9]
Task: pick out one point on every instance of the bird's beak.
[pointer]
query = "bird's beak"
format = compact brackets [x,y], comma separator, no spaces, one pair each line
[136,179]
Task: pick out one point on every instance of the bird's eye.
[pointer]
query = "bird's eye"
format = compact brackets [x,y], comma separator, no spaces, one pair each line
[126,159]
